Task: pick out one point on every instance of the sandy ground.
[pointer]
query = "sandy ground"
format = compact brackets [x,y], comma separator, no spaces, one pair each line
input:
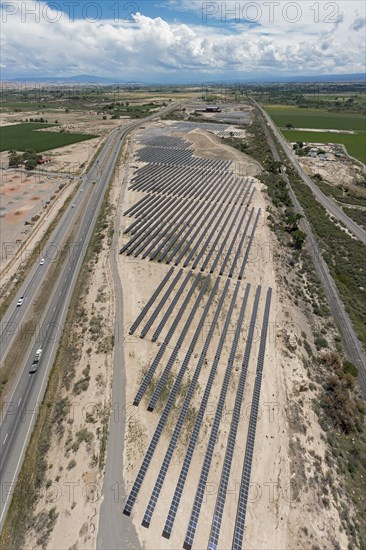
[285,521]
[209,146]
[334,170]
[24,198]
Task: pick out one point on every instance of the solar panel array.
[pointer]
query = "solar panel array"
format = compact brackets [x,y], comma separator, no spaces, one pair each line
[178,156]
[182,415]
[190,209]
[200,493]
[197,215]
[225,475]
[238,537]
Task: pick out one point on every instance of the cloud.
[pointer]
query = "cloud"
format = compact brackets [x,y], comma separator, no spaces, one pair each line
[149,48]
[358,23]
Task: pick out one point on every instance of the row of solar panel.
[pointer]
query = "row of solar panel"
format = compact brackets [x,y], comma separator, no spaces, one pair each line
[238,536]
[151,449]
[160,155]
[150,172]
[221,497]
[166,141]
[155,205]
[181,181]
[175,228]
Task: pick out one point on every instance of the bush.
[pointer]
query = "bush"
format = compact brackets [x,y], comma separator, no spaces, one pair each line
[320,343]
[71,464]
[350,368]
[343,409]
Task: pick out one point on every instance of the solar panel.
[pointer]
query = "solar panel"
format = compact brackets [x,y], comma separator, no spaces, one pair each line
[183,412]
[235,236]
[218,236]
[238,537]
[193,520]
[154,441]
[159,386]
[168,337]
[199,419]
[249,245]
[238,252]
[151,301]
[229,453]
[161,304]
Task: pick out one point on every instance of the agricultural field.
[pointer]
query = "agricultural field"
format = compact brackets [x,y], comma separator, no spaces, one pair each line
[354,143]
[337,98]
[315,118]
[25,136]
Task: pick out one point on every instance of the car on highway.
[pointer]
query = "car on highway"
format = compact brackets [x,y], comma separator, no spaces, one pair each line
[41,262]
[34,367]
[73,206]
[20,301]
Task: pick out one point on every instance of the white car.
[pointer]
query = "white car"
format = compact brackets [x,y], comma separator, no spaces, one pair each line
[41,262]
[20,301]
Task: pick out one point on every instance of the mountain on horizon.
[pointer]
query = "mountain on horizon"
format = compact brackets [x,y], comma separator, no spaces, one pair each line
[253,78]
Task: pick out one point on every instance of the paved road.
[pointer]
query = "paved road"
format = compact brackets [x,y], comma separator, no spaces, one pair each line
[19,414]
[332,207]
[115,530]
[351,342]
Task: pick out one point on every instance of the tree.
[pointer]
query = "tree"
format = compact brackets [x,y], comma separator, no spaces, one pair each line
[292,222]
[14,159]
[299,238]
[31,164]
[289,125]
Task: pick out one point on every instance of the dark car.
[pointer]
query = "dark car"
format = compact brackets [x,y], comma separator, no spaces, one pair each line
[34,367]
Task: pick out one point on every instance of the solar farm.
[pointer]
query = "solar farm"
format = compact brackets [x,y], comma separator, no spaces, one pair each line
[197,318]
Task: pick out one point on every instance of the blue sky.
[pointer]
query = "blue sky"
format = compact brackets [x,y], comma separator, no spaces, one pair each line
[182,40]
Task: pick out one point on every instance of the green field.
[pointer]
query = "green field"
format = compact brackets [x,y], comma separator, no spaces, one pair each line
[315,118]
[354,143]
[24,136]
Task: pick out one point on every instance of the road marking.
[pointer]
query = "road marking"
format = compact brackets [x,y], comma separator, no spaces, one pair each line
[19,401]
[6,437]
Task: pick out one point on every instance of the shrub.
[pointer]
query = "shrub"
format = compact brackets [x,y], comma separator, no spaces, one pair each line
[71,464]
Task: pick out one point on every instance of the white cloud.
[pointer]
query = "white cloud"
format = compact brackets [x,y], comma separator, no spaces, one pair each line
[151,46]
[358,23]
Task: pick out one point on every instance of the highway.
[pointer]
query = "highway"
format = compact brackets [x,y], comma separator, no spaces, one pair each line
[351,342]
[19,413]
[331,206]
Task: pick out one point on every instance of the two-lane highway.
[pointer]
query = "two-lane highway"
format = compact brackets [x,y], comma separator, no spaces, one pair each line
[332,207]
[351,342]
